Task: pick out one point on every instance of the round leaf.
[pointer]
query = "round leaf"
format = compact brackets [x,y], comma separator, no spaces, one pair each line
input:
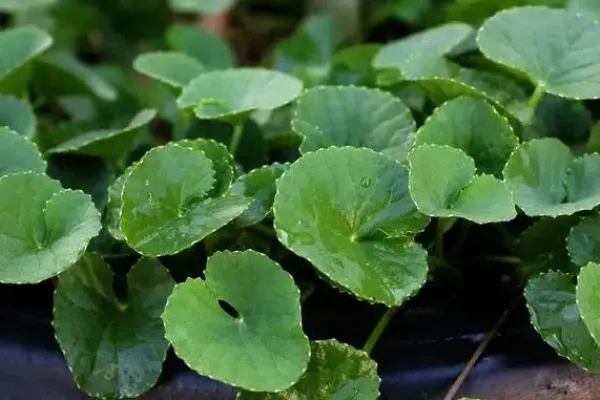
[17,115]
[236,93]
[348,212]
[588,298]
[259,185]
[113,349]
[43,228]
[354,116]
[20,45]
[109,143]
[436,41]
[553,309]
[546,179]
[206,47]
[473,126]
[443,184]
[222,162]
[18,154]
[174,69]
[583,242]
[256,342]
[169,212]
[334,369]
[559,51]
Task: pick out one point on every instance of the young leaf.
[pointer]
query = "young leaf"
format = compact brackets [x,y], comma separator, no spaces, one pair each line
[201,6]
[18,154]
[588,298]
[206,47]
[583,242]
[241,325]
[354,116]
[20,45]
[113,349]
[433,42]
[222,162]
[235,93]
[358,58]
[167,213]
[556,49]
[546,179]
[44,229]
[554,313]
[174,69]
[17,115]
[443,184]
[348,212]
[109,143]
[60,72]
[334,369]
[258,185]
[473,126]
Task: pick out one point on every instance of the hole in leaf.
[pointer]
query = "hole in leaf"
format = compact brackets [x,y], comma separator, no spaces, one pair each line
[229,309]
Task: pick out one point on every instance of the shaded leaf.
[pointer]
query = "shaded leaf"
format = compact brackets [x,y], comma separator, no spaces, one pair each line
[348,212]
[113,349]
[20,45]
[473,126]
[228,342]
[554,313]
[583,242]
[354,116]
[17,115]
[206,47]
[18,154]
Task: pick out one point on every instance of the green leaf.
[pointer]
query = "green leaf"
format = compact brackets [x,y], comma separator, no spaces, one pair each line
[109,143]
[167,213]
[174,69]
[588,298]
[473,126]
[200,6]
[437,41]
[554,313]
[113,349]
[12,6]
[222,162]
[583,242]
[241,325]
[348,212]
[19,46]
[590,7]
[335,371]
[60,72]
[115,203]
[443,184]
[358,58]
[234,94]
[556,117]
[559,51]
[17,115]
[206,47]
[18,154]
[546,179]
[44,229]
[354,116]
[258,185]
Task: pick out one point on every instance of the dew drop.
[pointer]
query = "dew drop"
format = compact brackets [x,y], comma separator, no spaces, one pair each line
[365,182]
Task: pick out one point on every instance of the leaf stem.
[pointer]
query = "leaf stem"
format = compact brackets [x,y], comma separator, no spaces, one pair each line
[238,129]
[536,97]
[379,328]
[265,230]
[480,349]
[442,227]
[503,260]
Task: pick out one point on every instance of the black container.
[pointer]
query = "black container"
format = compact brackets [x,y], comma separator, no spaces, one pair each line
[420,354]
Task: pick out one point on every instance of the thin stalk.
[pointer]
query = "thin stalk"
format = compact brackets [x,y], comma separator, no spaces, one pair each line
[536,97]
[238,129]
[480,350]
[265,230]
[379,328]
[503,260]
[441,228]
